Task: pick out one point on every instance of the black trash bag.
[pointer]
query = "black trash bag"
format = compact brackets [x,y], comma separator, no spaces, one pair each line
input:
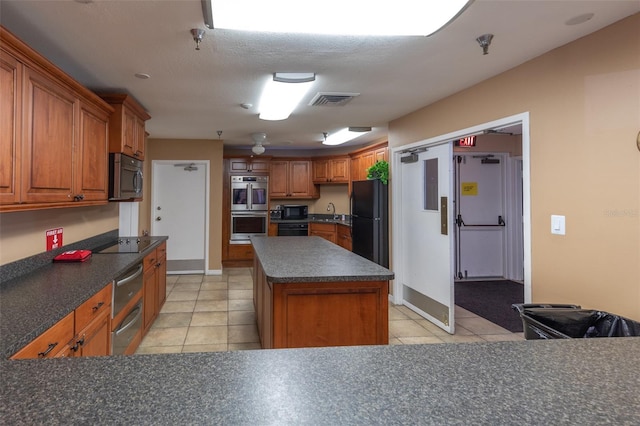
[609,325]
[573,323]
[569,321]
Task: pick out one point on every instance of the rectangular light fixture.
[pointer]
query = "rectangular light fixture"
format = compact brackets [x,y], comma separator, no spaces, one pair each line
[345,135]
[283,93]
[337,17]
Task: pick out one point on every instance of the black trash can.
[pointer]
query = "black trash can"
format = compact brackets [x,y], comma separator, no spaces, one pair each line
[555,321]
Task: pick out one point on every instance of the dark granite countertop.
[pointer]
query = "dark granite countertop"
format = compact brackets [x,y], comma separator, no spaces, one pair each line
[556,382]
[34,301]
[313,259]
[318,219]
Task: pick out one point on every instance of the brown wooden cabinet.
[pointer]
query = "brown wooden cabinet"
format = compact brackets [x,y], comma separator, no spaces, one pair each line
[48,145]
[291,179]
[364,158]
[343,236]
[127,125]
[93,326]
[10,129]
[331,170]
[53,134]
[323,230]
[154,285]
[84,332]
[248,165]
[54,342]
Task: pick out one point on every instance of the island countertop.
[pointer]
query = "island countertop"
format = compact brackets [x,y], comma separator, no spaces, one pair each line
[313,259]
[535,382]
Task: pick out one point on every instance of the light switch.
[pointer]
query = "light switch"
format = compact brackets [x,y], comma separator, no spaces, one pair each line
[557,224]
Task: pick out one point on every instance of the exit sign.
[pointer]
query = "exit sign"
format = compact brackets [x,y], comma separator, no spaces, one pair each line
[54,238]
[467,142]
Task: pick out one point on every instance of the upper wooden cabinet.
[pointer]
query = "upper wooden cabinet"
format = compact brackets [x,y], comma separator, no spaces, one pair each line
[249,164]
[53,135]
[10,128]
[331,170]
[362,159]
[126,127]
[291,179]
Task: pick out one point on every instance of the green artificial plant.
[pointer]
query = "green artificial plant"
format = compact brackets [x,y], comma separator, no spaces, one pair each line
[380,170]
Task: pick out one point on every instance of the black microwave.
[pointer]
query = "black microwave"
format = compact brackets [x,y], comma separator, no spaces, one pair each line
[294,211]
[125,177]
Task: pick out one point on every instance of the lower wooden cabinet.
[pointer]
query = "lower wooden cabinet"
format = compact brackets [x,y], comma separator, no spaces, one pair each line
[154,285]
[54,342]
[84,332]
[343,237]
[323,230]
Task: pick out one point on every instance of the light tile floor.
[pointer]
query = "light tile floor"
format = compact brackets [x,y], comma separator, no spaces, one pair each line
[206,313]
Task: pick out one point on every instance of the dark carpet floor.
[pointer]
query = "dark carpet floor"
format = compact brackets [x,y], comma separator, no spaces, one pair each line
[492,300]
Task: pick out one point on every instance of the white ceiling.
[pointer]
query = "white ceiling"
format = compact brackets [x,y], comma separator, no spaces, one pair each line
[193,94]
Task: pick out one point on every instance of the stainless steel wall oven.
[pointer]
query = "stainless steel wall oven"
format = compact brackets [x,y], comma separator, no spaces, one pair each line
[247,224]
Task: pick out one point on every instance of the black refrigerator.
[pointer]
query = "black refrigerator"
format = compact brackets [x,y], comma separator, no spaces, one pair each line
[369,221]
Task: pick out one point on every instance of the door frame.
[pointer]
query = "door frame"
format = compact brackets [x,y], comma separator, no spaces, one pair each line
[207,165]
[396,153]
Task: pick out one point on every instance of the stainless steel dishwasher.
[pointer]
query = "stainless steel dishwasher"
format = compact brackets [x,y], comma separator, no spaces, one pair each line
[126,319]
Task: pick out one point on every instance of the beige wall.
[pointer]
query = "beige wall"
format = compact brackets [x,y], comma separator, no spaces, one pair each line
[22,234]
[584,105]
[337,194]
[177,149]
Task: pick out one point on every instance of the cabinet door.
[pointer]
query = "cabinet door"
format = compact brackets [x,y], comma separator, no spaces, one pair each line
[48,151]
[91,169]
[278,179]
[95,338]
[382,154]
[367,160]
[10,128]
[138,139]
[321,171]
[339,170]
[150,298]
[129,126]
[300,179]
[161,276]
[323,230]
[343,237]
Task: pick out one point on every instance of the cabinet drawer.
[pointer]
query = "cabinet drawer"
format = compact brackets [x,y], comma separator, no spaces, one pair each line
[240,251]
[51,342]
[151,259]
[324,227]
[93,307]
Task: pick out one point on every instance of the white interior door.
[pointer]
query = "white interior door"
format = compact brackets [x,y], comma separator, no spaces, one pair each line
[179,200]
[423,257]
[481,203]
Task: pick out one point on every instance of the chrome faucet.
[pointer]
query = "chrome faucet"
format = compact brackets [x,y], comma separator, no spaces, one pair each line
[332,208]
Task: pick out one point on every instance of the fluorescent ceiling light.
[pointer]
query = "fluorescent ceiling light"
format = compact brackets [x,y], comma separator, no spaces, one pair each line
[283,93]
[339,17]
[345,135]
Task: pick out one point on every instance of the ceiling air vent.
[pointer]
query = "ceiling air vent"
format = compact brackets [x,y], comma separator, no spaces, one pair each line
[332,98]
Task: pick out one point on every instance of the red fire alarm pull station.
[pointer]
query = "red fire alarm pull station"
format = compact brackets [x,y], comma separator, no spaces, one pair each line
[54,238]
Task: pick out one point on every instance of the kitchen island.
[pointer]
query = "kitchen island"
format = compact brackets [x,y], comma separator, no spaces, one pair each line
[309,292]
[534,382]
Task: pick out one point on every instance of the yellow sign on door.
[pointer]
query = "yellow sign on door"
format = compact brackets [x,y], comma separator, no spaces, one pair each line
[469,188]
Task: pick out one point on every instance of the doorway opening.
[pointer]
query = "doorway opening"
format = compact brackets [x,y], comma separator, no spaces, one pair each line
[483,209]
[180,210]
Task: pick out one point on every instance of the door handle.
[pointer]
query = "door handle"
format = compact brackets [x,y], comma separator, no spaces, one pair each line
[158,218]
